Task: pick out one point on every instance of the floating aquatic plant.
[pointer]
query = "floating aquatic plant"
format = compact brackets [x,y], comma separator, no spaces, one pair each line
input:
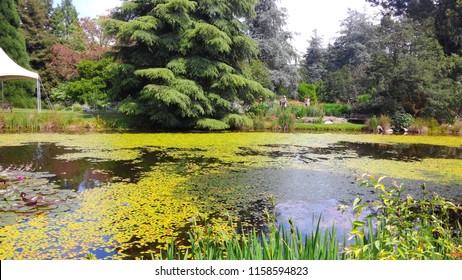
[135,220]
[33,186]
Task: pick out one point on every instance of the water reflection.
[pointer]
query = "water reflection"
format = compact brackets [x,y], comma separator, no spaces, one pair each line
[402,152]
[75,175]
[343,150]
[307,216]
[301,194]
[94,179]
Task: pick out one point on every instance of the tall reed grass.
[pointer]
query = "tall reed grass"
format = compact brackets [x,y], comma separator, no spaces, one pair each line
[53,122]
[45,122]
[400,228]
[276,244]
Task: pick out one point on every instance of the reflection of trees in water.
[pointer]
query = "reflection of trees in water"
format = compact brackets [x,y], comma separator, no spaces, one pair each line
[39,155]
[93,179]
[71,174]
[342,150]
[404,152]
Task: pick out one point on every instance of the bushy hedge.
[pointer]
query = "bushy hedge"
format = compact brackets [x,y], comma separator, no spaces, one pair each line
[211,125]
[239,122]
[336,110]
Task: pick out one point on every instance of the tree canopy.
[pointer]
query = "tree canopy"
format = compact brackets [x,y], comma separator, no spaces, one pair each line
[397,66]
[446,16]
[11,40]
[275,49]
[185,63]
[65,21]
[186,56]
[35,26]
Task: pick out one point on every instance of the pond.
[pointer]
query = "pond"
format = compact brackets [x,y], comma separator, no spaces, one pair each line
[124,196]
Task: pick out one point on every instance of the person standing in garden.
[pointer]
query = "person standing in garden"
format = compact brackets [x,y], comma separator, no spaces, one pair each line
[283,102]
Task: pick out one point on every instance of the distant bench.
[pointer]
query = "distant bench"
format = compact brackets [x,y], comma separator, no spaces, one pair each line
[358,118]
[7,106]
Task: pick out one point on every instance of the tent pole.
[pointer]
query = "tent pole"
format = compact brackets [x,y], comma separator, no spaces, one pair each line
[39,104]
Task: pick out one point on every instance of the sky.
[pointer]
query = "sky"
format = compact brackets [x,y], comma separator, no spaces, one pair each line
[304,16]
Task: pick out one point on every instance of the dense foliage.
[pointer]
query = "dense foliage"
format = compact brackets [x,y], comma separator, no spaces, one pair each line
[35,26]
[13,43]
[65,22]
[445,16]
[187,56]
[398,65]
[268,28]
[172,63]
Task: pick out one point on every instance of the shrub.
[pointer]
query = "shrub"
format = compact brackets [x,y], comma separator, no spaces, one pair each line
[77,107]
[258,121]
[260,109]
[286,121]
[372,124]
[343,127]
[48,121]
[26,102]
[239,122]
[401,121]
[385,122]
[211,125]
[307,90]
[457,128]
[419,126]
[444,129]
[404,228]
[336,110]
[307,111]
[365,98]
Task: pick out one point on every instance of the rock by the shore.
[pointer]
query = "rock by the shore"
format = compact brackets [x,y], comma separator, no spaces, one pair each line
[325,120]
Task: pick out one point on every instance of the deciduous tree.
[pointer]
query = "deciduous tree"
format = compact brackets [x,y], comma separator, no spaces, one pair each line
[445,14]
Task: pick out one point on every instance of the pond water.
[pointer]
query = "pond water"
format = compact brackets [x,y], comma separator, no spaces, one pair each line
[126,195]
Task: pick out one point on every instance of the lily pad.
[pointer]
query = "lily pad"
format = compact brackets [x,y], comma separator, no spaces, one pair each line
[50,198]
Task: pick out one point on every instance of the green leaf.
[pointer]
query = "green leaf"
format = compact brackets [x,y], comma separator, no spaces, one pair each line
[153,74]
[357,224]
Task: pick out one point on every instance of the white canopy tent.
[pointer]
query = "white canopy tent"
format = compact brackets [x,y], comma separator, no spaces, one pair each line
[9,70]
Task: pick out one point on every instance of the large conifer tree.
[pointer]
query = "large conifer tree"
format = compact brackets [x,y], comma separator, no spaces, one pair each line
[35,19]
[275,49]
[65,21]
[187,56]
[314,64]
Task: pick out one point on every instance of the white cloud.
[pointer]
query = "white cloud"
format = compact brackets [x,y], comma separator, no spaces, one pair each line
[93,8]
[325,16]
